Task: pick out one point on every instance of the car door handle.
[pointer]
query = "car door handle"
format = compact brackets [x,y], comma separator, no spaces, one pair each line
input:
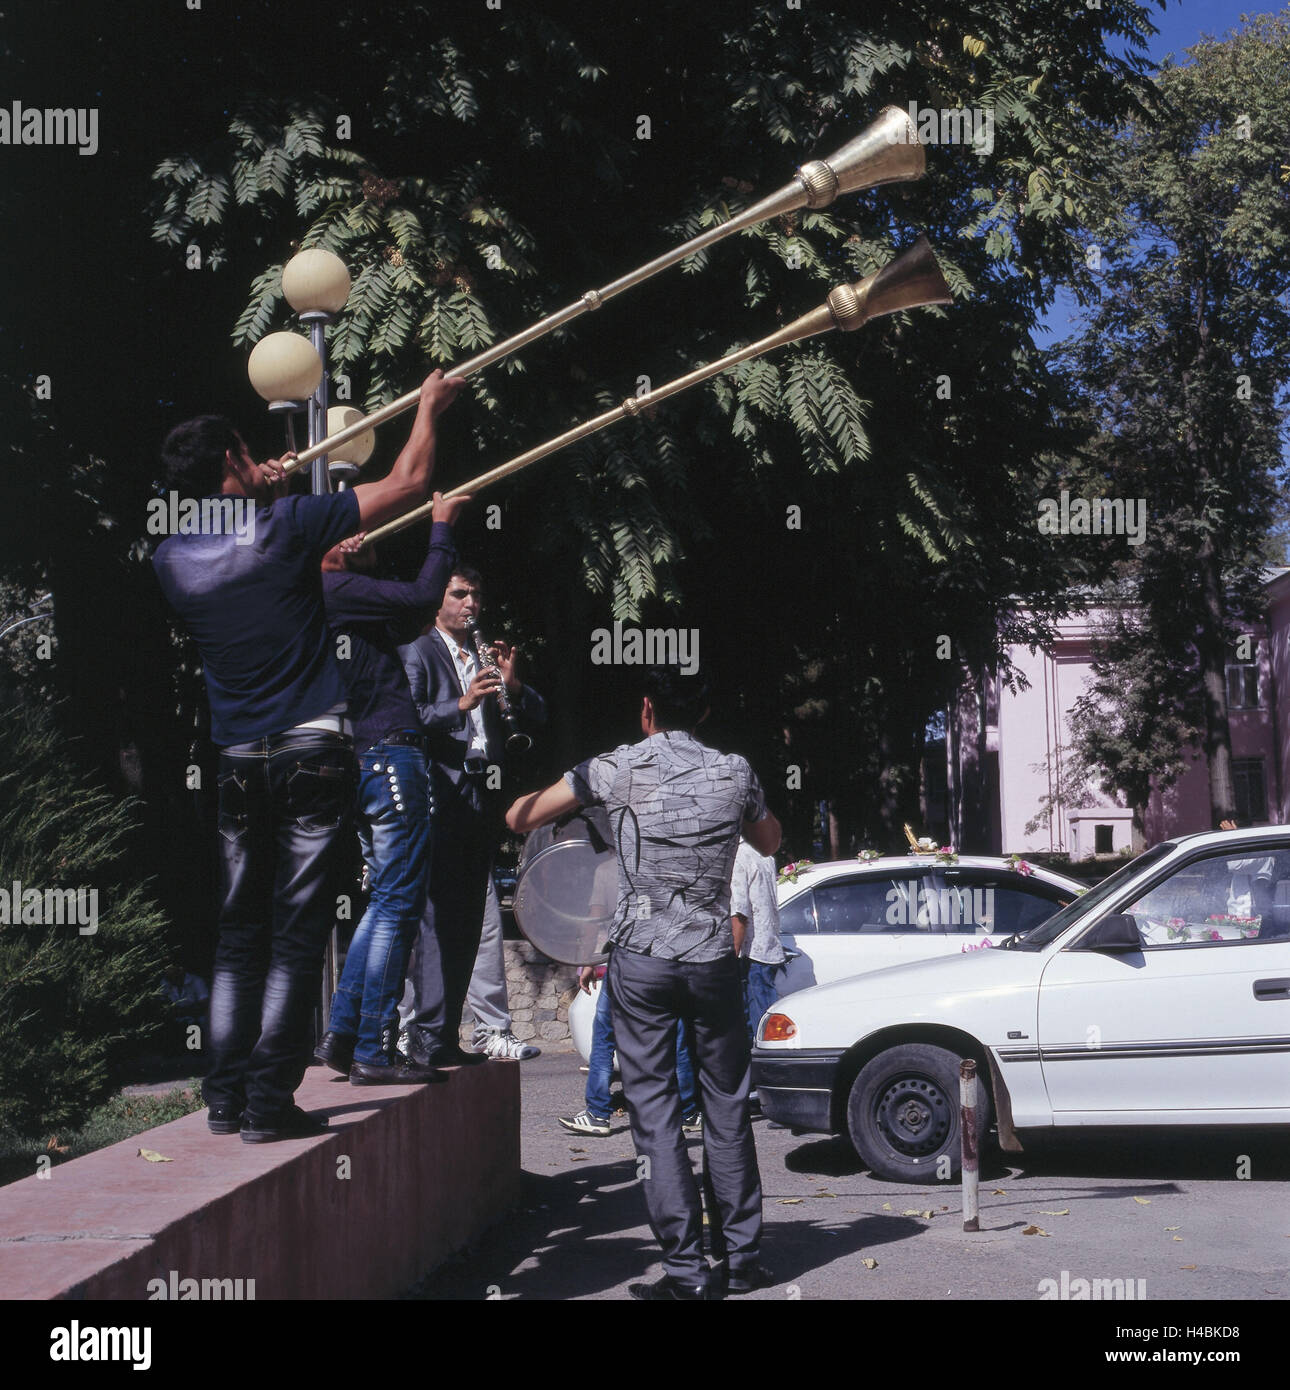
[1272,989]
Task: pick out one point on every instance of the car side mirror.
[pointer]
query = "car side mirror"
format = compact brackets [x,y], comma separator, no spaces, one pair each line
[1116,934]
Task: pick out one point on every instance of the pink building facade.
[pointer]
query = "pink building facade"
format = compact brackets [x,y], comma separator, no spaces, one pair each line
[1005,748]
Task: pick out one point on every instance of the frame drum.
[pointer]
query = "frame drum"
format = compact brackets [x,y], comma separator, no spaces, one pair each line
[567,887]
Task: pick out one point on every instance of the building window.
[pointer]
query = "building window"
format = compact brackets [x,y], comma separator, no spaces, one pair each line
[1251,791]
[1242,685]
[1104,839]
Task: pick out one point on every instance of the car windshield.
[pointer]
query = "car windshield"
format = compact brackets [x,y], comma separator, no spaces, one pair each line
[1050,929]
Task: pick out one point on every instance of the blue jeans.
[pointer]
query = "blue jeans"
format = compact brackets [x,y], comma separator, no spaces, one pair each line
[394,812]
[285,810]
[759,992]
[601,1062]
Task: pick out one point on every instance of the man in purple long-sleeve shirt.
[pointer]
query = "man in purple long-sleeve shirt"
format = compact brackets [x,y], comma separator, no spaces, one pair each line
[369,618]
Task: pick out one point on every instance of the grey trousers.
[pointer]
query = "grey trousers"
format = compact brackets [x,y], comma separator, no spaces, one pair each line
[486,994]
[648,996]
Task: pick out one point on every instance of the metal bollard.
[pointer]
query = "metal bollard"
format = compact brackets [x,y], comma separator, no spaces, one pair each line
[967,1140]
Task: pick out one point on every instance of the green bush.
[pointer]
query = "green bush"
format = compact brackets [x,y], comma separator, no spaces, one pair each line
[74,999]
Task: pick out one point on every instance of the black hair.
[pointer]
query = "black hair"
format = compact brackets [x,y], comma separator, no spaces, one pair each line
[469,574]
[679,700]
[193,454]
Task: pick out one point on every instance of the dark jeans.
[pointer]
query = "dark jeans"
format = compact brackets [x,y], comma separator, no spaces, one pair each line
[650,996]
[461,851]
[394,826]
[285,810]
[760,992]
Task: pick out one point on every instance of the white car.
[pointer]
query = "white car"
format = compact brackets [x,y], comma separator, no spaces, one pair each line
[1160,997]
[840,918]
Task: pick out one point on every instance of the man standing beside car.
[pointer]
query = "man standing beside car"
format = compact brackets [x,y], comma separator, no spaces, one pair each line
[678,809]
[754,916]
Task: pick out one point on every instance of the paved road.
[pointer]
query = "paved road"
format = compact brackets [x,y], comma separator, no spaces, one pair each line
[1170,1211]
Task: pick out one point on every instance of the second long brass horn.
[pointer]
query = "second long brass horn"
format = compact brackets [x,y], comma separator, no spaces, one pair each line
[886,151]
[911,280]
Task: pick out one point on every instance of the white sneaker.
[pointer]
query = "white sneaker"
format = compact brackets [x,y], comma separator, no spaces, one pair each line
[504,1046]
[584,1122]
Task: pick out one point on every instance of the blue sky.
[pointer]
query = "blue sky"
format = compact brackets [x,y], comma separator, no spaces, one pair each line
[1180,26]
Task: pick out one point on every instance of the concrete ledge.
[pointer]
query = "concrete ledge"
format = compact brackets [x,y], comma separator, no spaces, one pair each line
[429,1168]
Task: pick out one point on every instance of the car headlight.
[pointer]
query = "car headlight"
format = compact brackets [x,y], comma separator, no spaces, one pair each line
[777,1028]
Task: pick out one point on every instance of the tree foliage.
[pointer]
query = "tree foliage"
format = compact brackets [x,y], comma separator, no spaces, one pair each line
[1182,364]
[71,1004]
[497,173]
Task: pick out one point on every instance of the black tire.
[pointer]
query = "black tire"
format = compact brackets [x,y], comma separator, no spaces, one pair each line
[903,1114]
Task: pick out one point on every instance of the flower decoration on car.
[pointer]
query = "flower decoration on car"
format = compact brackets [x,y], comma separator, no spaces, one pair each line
[789,873]
[868,855]
[1019,866]
[947,854]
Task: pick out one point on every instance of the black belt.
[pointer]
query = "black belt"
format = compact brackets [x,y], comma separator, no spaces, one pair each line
[404,738]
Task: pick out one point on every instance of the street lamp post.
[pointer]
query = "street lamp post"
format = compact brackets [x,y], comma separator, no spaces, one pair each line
[316,285]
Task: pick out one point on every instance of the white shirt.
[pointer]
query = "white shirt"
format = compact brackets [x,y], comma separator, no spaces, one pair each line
[752,895]
[463,659]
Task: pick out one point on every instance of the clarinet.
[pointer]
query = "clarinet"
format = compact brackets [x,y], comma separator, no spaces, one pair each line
[517,741]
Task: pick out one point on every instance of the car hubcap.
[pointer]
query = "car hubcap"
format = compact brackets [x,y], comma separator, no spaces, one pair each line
[914,1116]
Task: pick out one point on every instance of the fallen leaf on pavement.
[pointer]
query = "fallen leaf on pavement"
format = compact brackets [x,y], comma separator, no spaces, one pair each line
[1143,1201]
[999,1192]
[153,1156]
[886,1206]
[1178,1237]
[823,1193]
[927,1215]
[1173,1228]
[790,1201]
[869,1262]
[909,1211]
[572,1150]
[1065,1211]
[1035,1231]
[1186,1266]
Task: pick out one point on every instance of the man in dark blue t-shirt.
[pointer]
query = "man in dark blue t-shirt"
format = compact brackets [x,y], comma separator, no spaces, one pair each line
[369,618]
[251,596]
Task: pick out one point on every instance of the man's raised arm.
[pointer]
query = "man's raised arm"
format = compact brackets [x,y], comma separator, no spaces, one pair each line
[408,482]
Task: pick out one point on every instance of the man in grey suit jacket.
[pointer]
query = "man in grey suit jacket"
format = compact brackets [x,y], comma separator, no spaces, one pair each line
[466,749]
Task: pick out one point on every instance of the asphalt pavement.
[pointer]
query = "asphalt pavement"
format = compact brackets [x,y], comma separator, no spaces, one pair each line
[1170,1216]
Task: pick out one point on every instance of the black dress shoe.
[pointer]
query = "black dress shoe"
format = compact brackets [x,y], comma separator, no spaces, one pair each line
[336,1052]
[667,1289]
[400,1072]
[454,1057]
[748,1278]
[224,1119]
[291,1124]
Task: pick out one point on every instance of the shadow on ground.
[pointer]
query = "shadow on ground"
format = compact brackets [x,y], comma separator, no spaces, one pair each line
[583,1233]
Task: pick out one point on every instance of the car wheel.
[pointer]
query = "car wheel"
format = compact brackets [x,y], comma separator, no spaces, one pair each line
[903,1114]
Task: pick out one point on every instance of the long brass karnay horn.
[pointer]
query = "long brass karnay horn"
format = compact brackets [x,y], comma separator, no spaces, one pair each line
[910,280]
[887,151]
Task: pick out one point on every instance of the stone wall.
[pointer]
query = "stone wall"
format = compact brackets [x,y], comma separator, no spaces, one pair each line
[540,992]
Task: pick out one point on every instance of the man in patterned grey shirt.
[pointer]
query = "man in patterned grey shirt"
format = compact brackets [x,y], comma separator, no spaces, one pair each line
[678,809]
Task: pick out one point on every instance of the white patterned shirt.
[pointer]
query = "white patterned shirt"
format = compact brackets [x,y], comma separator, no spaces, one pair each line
[752,895]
